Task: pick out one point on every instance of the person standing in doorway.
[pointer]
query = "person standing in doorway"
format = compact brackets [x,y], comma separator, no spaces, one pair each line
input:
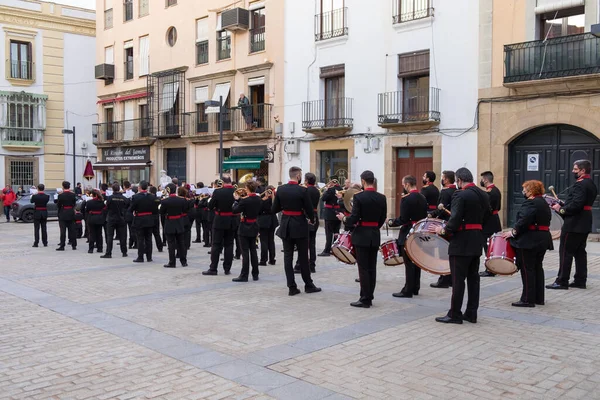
[246,109]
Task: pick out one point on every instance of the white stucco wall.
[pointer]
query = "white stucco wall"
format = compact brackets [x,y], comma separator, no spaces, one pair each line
[370,54]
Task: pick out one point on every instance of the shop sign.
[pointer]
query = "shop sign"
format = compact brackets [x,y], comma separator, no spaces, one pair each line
[138,154]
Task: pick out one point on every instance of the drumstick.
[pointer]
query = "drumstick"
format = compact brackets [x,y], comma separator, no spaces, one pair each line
[551,188]
[442,208]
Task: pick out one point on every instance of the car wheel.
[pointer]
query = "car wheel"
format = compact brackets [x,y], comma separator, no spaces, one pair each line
[27,216]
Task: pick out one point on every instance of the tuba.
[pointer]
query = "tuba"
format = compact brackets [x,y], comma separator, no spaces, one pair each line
[246,178]
[348,197]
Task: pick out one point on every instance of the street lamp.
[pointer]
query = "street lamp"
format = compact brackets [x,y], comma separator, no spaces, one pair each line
[213,103]
[72,132]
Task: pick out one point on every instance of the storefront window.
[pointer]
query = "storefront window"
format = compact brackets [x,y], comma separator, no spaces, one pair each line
[135,176]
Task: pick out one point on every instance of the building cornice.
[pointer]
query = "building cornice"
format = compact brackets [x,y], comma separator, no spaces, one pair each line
[254,68]
[38,20]
[216,75]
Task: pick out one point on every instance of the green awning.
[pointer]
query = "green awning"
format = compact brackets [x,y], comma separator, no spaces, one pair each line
[242,163]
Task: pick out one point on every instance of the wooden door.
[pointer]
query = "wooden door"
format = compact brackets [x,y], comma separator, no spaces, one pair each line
[411,161]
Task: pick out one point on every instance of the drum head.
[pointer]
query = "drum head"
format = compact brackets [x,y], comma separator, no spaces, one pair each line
[556,224]
[343,255]
[429,252]
[501,266]
[393,261]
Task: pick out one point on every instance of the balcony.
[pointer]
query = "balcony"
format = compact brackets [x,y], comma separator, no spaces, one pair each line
[23,139]
[409,108]
[257,39]
[130,130]
[411,10]
[331,24]
[555,61]
[20,70]
[330,115]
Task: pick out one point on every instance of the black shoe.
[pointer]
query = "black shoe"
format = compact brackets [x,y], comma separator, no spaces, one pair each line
[557,286]
[297,270]
[272,262]
[313,271]
[149,259]
[236,257]
[447,320]
[324,254]
[169,266]
[197,241]
[360,304]
[106,256]
[61,248]
[228,272]
[439,285]
[100,251]
[402,294]
[472,320]
[486,274]
[90,251]
[416,293]
[262,264]
[74,247]
[255,277]
[206,245]
[208,252]
[312,289]
[184,264]
[164,244]
[35,245]
[540,303]
[240,279]
[573,284]
[130,246]
[160,249]
[522,304]
[357,280]
[294,291]
[138,260]
[209,272]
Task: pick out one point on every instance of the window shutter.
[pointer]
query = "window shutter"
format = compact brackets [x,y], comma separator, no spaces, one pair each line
[219,23]
[201,30]
[201,94]
[128,44]
[413,64]
[144,55]
[109,57]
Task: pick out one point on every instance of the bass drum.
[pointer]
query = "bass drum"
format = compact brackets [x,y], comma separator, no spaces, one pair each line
[427,250]
[343,250]
[556,224]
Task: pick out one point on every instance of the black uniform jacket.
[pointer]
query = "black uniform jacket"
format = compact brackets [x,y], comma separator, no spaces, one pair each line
[191,210]
[493,224]
[413,208]
[446,199]
[173,208]
[66,205]
[203,205]
[330,202]
[315,196]
[40,199]
[432,195]
[266,218]
[294,198]
[250,208]
[368,215]
[95,210]
[143,206]
[533,214]
[116,206]
[470,211]
[577,211]
[222,204]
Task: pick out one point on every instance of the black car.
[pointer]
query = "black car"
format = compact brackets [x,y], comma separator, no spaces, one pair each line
[23,209]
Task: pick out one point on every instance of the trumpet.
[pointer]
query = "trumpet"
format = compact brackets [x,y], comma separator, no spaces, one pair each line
[266,194]
[340,192]
[242,192]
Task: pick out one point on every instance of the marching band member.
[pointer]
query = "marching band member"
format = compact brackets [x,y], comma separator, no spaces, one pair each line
[142,206]
[294,203]
[448,190]
[173,208]
[189,215]
[96,219]
[40,215]
[206,219]
[368,216]
[116,206]
[129,216]
[199,214]
[315,196]
[267,223]
[332,223]
[493,225]
[531,238]
[577,213]
[430,191]
[413,208]
[470,211]
[66,202]
[156,215]
[249,207]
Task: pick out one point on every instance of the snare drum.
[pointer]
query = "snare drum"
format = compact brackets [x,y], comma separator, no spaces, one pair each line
[343,249]
[557,221]
[500,257]
[427,250]
[390,253]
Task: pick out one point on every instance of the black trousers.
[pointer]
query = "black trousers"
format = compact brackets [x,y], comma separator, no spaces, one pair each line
[163,219]
[249,256]
[464,267]
[37,225]
[366,258]
[132,235]
[331,228]
[95,231]
[288,260]
[238,247]
[144,242]
[121,229]
[176,242]
[312,252]
[413,275]
[69,226]
[530,263]
[156,233]
[187,236]
[572,245]
[222,241]
[198,229]
[79,229]
[206,232]
[267,245]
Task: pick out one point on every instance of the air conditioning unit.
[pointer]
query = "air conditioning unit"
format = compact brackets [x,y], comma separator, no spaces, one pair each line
[292,146]
[237,19]
[105,71]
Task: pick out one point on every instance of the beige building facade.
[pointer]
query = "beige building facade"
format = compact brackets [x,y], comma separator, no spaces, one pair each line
[539,97]
[160,64]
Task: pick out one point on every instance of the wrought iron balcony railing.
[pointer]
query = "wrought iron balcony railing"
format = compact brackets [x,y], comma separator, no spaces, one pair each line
[252,117]
[410,10]
[552,58]
[412,105]
[329,113]
[257,39]
[331,24]
[20,70]
[22,136]
[126,130]
[107,132]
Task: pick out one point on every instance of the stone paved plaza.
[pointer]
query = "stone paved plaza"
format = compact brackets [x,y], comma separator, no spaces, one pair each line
[74,326]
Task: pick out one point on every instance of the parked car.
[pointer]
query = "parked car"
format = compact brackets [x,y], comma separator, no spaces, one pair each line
[23,208]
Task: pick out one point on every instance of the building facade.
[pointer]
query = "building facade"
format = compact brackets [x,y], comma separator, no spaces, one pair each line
[539,94]
[45,87]
[380,88]
[160,64]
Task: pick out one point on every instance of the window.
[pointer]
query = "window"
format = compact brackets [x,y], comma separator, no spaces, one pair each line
[257,30]
[108,14]
[109,58]
[334,80]
[223,45]
[110,126]
[331,21]
[128,60]
[409,10]
[172,36]
[22,172]
[22,116]
[145,121]
[144,55]
[21,66]
[202,41]
[562,23]
[144,7]
[201,95]
[169,3]
[127,10]
[413,70]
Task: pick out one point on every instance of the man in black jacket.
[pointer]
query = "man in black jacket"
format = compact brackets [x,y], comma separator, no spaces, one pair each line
[267,223]
[249,207]
[430,191]
[199,214]
[40,215]
[116,206]
[224,227]
[156,214]
[369,209]
[413,208]
[332,223]
[577,213]
[297,210]
[173,208]
[470,211]
[142,206]
[493,225]
[66,202]
[448,190]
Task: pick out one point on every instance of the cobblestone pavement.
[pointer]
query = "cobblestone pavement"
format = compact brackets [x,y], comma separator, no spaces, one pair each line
[75,326]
